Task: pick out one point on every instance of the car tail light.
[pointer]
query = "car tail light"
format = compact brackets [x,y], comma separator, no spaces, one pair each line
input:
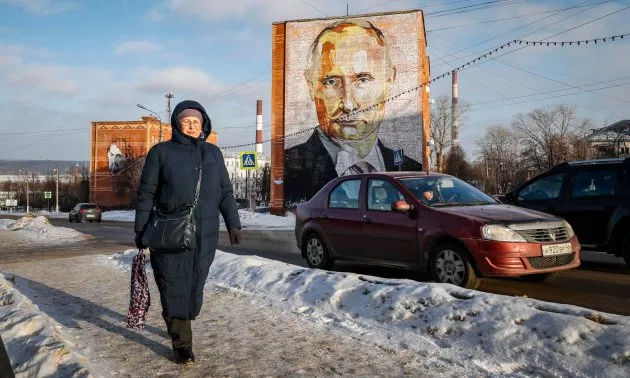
[81,211]
[99,210]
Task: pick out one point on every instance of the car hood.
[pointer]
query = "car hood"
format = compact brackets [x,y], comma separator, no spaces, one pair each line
[498,213]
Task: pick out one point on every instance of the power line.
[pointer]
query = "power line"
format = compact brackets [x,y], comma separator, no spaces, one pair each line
[528,24]
[314,7]
[472,8]
[512,18]
[423,7]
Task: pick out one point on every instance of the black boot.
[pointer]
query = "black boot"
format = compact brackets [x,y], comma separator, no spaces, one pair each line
[184,355]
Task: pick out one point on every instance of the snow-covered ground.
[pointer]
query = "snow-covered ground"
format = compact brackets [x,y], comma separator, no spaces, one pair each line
[39,230]
[48,214]
[249,220]
[484,334]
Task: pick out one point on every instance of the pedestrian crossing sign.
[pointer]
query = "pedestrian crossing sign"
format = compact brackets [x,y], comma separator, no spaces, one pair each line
[249,160]
[399,157]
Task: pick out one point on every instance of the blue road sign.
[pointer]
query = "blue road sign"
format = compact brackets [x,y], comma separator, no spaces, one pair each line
[399,157]
[248,160]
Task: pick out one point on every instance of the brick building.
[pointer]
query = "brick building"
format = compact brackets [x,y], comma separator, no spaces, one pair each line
[116,152]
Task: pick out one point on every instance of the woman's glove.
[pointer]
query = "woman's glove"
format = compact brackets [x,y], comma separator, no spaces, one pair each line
[139,240]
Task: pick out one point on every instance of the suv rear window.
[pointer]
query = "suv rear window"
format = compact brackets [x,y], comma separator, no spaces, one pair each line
[594,184]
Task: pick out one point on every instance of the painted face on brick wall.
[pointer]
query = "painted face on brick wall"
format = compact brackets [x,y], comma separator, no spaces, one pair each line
[350,70]
[115,158]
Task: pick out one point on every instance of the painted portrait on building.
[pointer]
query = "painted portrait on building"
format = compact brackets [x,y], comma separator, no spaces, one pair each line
[115,158]
[342,75]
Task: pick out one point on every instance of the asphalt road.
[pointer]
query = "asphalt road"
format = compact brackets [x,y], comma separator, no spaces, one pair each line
[602,282]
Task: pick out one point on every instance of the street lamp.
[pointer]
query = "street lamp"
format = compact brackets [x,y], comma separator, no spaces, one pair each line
[157,115]
[57,192]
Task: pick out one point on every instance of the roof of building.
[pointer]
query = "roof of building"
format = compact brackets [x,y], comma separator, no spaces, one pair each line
[620,127]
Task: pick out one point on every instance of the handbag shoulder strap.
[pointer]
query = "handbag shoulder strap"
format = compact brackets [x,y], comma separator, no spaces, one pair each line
[199,179]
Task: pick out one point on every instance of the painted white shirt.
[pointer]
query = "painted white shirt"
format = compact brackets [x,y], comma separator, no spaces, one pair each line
[346,159]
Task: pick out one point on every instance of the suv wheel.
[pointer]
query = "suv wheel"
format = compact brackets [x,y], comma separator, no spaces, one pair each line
[316,252]
[450,264]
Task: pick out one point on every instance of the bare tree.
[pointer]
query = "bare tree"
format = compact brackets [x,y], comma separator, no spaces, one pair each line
[457,165]
[499,157]
[549,136]
[442,121]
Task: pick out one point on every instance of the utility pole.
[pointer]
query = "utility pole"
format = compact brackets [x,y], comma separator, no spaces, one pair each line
[27,199]
[169,95]
[57,191]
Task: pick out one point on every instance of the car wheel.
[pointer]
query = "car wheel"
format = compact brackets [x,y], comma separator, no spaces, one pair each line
[98,221]
[450,264]
[539,277]
[70,219]
[316,252]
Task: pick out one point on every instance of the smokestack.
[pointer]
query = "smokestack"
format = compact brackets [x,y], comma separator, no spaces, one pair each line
[454,113]
[259,139]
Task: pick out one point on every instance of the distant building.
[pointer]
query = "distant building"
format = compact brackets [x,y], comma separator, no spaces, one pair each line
[612,141]
[116,152]
[237,175]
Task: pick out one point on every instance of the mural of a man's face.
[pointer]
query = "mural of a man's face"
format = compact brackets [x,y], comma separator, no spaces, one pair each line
[350,70]
[115,158]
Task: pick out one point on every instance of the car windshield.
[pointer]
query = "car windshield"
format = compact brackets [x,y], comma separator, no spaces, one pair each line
[446,191]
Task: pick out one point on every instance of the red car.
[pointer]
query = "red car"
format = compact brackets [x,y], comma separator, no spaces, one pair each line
[432,222]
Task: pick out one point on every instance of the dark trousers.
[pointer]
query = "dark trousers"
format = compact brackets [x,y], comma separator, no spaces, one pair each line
[6,371]
[180,331]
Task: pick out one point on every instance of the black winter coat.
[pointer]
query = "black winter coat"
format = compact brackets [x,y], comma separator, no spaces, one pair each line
[168,181]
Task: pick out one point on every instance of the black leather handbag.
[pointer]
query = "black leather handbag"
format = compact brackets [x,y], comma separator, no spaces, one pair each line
[173,232]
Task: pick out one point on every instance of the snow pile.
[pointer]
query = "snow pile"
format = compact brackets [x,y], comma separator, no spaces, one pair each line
[253,220]
[249,220]
[39,229]
[119,215]
[32,340]
[499,333]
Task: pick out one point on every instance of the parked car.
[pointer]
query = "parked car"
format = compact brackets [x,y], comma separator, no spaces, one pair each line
[592,195]
[83,212]
[458,235]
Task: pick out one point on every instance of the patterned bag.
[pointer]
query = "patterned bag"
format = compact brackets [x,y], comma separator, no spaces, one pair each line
[139,299]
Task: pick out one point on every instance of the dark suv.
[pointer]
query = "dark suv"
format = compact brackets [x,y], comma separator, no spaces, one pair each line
[85,212]
[593,196]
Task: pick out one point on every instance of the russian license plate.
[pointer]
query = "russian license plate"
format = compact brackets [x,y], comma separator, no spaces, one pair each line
[556,249]
[90,216]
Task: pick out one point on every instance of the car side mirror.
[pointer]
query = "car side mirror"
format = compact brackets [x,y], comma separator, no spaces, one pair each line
[401,207]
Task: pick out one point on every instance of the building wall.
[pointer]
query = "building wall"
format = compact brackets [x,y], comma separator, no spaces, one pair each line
[405,119]
[112,144]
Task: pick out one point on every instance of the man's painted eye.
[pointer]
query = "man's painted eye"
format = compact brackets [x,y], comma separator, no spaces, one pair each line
[330,82]
[364,79]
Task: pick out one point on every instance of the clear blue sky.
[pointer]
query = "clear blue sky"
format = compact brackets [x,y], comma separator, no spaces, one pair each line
[66,63]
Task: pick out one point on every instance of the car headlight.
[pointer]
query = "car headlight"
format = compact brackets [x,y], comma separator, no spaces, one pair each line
[570,232]
[501,233]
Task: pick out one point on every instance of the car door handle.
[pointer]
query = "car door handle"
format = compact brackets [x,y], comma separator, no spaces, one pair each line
[367,220]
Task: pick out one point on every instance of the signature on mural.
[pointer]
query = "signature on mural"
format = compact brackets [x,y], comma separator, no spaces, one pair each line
[349,75]
[116,159]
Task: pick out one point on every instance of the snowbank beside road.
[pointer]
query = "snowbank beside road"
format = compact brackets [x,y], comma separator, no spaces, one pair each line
[505,335]
[248,219]
[34,344]
[39,230]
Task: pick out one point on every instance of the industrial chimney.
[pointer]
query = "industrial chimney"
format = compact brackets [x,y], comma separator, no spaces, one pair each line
[259,138]
[454,112]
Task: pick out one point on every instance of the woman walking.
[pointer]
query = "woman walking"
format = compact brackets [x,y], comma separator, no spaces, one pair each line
[185,172]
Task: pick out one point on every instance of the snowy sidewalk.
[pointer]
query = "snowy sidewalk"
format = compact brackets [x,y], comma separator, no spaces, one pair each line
[236,334]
